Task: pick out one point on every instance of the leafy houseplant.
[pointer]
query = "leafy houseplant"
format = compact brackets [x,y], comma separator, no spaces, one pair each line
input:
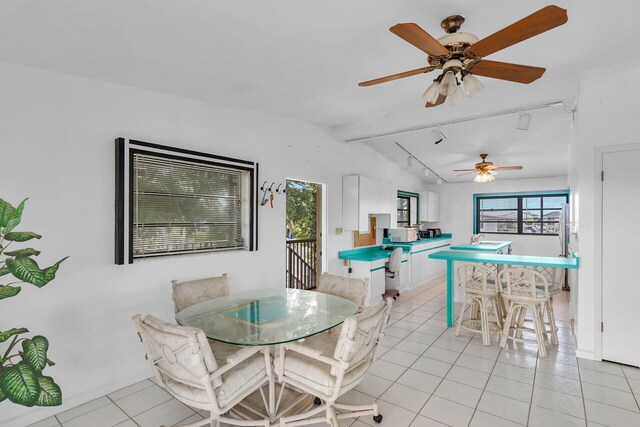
[21,378]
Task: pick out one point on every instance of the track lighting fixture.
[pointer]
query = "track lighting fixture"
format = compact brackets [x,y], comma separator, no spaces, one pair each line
[524,120]
[438,136]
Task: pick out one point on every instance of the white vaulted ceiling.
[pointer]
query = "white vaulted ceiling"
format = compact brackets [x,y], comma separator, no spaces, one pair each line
[303,59]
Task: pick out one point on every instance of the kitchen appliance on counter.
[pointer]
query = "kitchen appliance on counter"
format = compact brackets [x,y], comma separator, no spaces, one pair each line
[425,234]
[403,234]
[436,232]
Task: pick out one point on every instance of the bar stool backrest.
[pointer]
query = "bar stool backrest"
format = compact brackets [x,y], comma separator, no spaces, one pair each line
[523,283]
[554,276]
[476,277]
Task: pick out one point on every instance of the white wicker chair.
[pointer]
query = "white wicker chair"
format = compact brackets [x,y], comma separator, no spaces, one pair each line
[195,291]
[185,365]
[327,366]
[526,290]
[481,294]
[355,290]
[555,278]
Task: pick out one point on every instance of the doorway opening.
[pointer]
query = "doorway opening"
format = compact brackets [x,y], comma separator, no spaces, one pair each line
[304,234]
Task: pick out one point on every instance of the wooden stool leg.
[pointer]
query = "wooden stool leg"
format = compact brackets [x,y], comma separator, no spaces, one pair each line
[520,319]
[507,325]
[552,321]
[538,324]
[496,313]
[464,306]
[484,321]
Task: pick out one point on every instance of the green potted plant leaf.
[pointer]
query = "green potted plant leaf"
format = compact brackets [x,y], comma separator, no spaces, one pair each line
[22,359]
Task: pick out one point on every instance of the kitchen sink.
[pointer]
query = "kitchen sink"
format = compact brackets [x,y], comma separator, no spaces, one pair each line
[487,242]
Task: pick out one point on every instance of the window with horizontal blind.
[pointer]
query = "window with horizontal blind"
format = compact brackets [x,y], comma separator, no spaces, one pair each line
[186,204]
[529,213]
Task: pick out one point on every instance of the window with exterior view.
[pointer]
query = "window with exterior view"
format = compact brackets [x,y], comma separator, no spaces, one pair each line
[520,214]
[404,212]
[182,206]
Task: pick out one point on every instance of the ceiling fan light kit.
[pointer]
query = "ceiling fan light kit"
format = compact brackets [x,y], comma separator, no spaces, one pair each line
[449,84]
[463,53]
[484,176]
[457,97]
[485,170]
[432,93]
[472,85]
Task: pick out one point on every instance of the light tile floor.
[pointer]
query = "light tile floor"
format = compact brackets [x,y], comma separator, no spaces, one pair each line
[425,376]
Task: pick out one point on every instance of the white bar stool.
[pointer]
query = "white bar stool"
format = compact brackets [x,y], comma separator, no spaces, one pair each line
[481,294]
[527,291]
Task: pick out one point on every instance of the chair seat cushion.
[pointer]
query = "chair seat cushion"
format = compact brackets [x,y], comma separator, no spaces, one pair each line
[234,381]
[316,375]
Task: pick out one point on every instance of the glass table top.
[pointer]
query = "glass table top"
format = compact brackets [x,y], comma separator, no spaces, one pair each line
[267,316]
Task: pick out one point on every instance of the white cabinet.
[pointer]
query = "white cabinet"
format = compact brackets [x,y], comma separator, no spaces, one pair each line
[361,197]
[429,206]
[424,268]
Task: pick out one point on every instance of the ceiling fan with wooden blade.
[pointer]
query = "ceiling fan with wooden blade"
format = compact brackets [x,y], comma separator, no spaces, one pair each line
[461,54]
[486,170]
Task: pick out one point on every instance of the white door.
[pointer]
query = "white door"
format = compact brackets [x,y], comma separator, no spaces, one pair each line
[620,229]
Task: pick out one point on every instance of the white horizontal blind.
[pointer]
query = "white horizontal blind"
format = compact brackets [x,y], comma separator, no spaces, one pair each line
[182,206]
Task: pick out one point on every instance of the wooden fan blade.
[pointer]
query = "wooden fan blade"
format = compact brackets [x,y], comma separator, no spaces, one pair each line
[467,173]
[396,76]
[440,100]
[543,20]
[418,37]
[465,170]
[507,168]
[507,71]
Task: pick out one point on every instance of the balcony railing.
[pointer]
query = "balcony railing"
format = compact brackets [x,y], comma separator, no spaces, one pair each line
[302,259]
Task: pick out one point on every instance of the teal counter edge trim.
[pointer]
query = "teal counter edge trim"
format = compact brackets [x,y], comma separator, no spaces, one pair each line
[430,249]
[408,193]
[376,269]
[363,251]
[522,193]
[573,262]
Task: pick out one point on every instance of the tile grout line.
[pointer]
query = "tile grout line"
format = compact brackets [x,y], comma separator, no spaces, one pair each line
[123,411]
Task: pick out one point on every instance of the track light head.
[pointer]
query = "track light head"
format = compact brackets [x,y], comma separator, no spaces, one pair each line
[524,120]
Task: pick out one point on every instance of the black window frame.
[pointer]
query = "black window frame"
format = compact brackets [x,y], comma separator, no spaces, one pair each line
[408,210]
[520,209]
[126,149]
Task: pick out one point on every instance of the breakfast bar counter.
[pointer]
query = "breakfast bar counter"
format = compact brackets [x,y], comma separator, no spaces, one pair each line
[524,260]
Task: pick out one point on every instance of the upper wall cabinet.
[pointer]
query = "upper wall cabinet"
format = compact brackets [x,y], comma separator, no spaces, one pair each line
[361,197]
[429,206]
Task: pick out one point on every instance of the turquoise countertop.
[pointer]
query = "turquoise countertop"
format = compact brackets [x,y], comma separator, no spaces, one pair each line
[543,261]
[388,241]
[482,247]
[375,253]
[368,254]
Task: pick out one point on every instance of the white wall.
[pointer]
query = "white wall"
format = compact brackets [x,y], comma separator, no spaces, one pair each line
[606,116]
[56,145]
[456,211]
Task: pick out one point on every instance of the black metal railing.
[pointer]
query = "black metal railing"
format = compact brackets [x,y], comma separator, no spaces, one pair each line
[302,259]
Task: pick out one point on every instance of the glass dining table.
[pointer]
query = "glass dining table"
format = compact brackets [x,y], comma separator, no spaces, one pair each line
[268,317]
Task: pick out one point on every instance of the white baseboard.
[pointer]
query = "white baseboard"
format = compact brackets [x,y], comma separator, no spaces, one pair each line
[36,414]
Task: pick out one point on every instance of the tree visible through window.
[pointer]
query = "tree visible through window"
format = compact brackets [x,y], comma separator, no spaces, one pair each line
[520,214]
[182,206]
